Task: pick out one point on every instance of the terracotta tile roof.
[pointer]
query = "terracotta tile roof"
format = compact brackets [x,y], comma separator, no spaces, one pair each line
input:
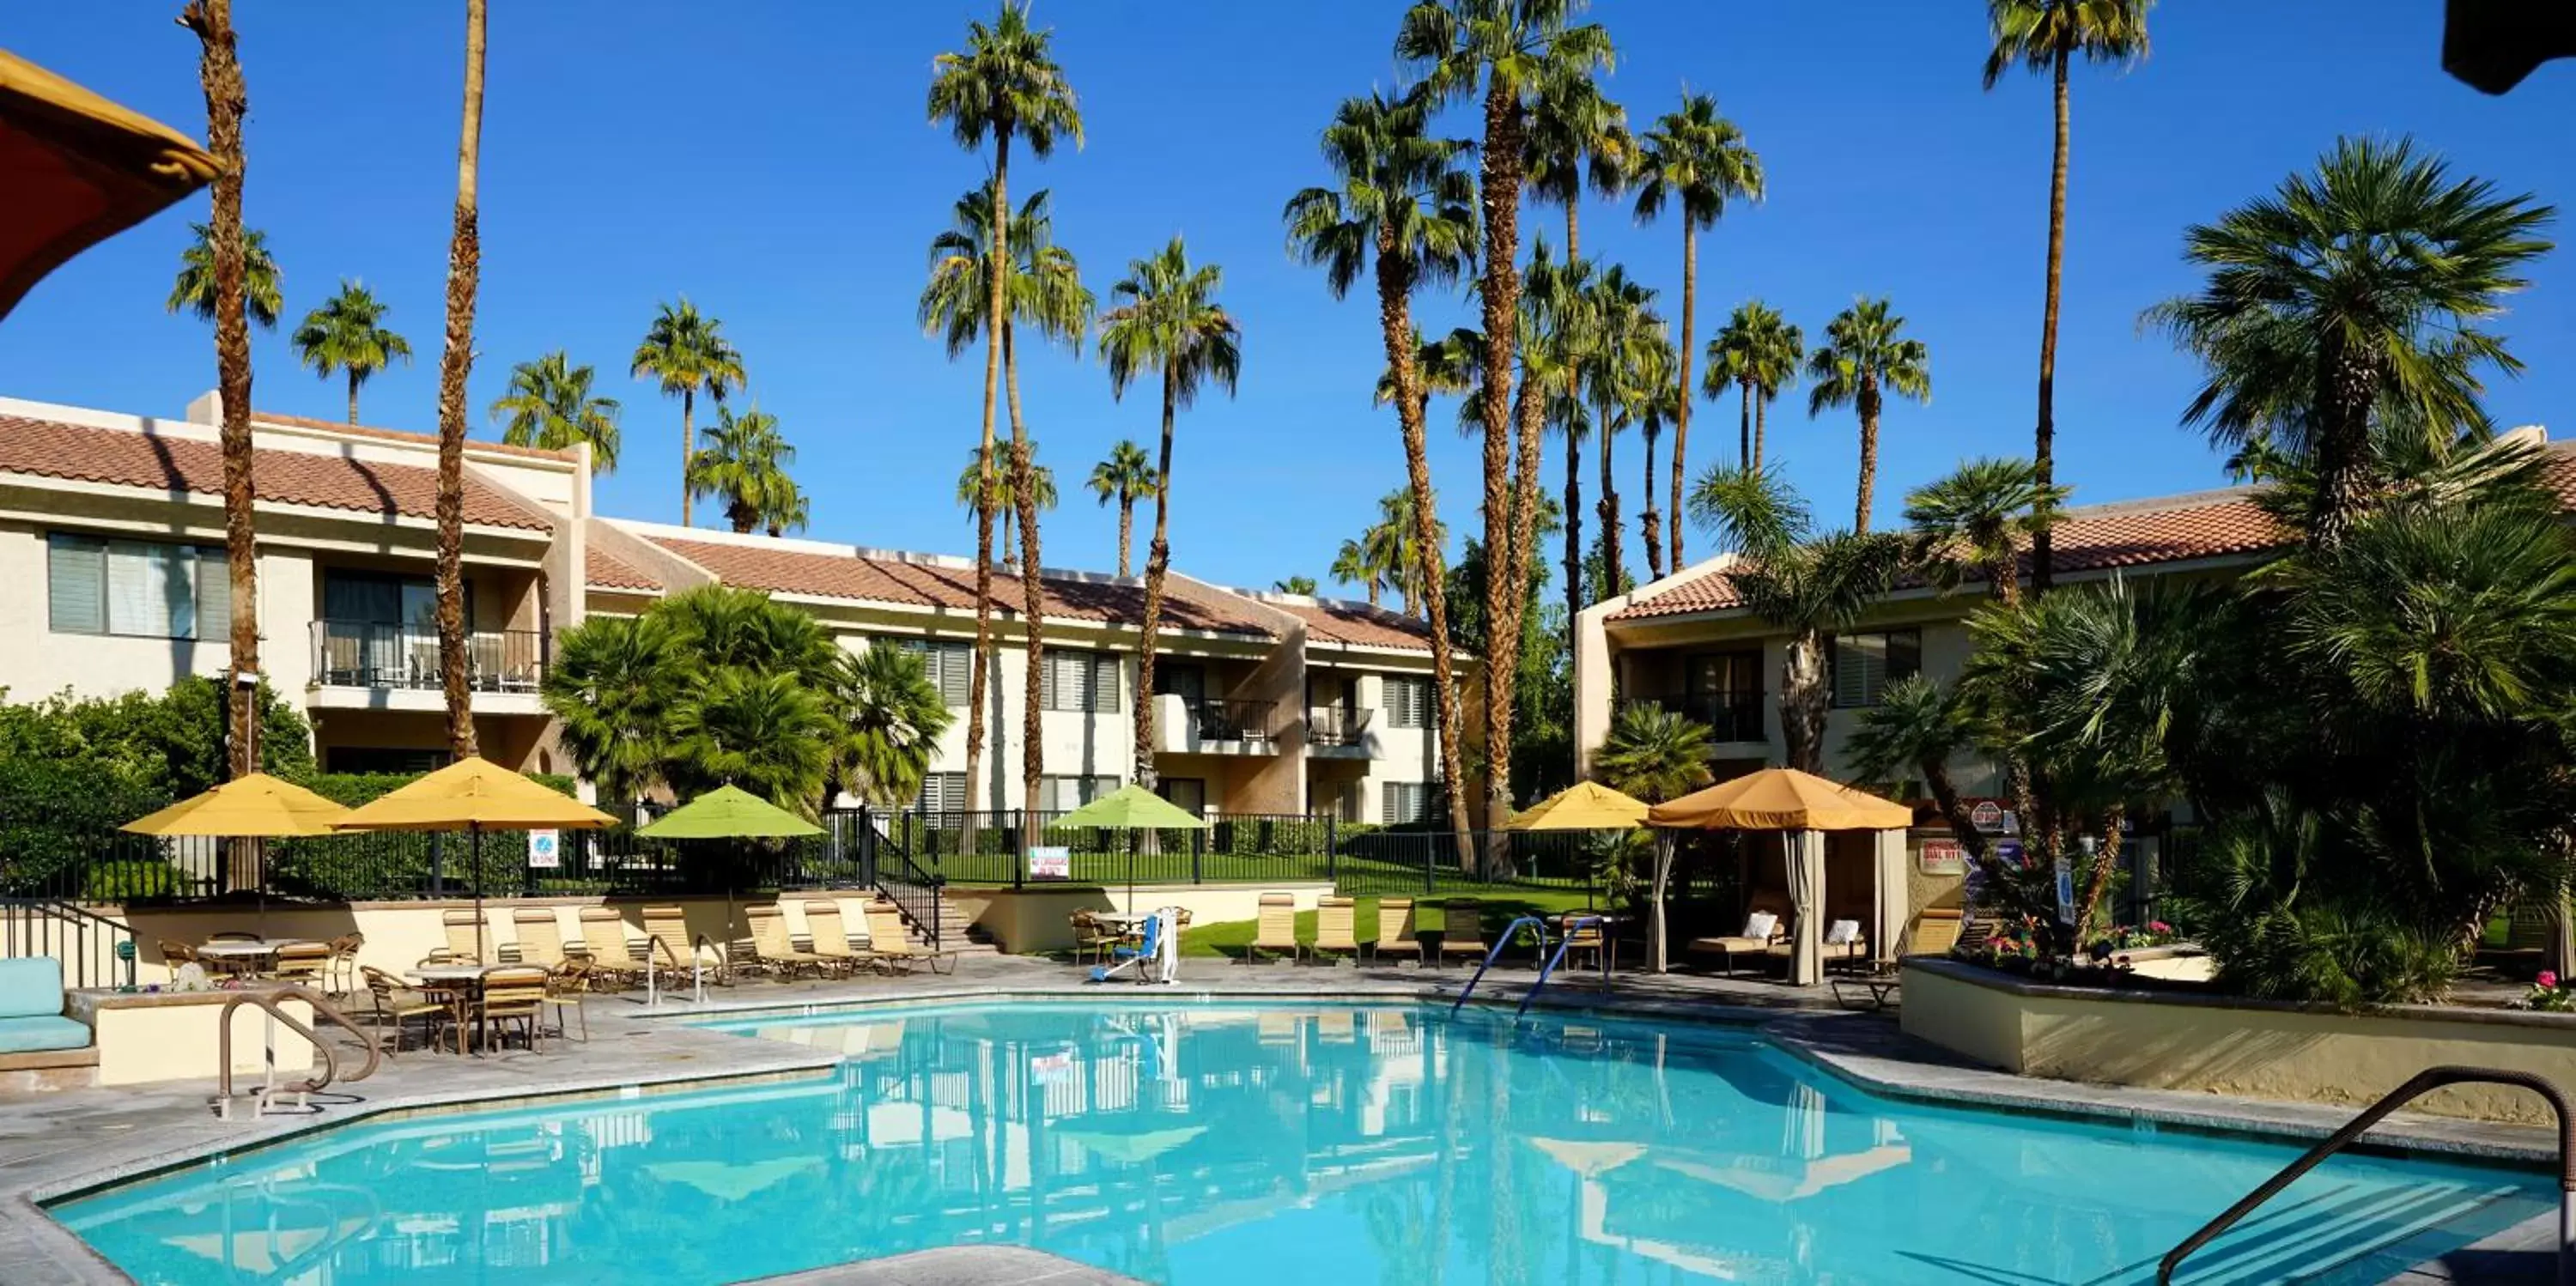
[399,435]
[886,580]
[608,571]
[83,454]
[2116,536]
[1360,624]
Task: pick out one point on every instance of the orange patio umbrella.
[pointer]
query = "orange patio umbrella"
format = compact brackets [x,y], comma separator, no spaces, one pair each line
[78,169]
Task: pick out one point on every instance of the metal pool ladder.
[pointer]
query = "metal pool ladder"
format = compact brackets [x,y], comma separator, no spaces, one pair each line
[270,1091]
[2426,1081]
[1505,940]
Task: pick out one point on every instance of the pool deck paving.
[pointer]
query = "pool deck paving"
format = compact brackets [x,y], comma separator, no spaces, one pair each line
[62,1143]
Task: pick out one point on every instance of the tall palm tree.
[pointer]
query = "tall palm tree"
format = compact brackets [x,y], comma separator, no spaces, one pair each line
[1560,314]
[1393,546]
[1802,583]
[1573,138]
[1625,330]
[2350,298]
[1126,477]
[1006,498]
[1917,727]
[1404,209]
[1866,356]
[550,405]
[1653,400]
[1504,52]
[195,288]
[1006,84]
[1697,160]
[1358,564]
[686,351]
[1757,351]
[744,464]
[1978,519]
[1168,323]
[347,333]
[2046,36]
[455,364]
[228,271]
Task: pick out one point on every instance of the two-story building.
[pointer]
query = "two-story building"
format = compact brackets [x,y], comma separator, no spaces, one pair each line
[1265,703]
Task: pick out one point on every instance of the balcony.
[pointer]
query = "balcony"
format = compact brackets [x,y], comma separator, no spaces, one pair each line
[1338,731]
[1731,716]
[1210,725]
[368,665]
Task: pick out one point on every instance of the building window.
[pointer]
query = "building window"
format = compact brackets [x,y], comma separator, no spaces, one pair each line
[1189,794]
[138,588]
[1864,664]
[941,792]
[1081,681]
[1408,703]
[1404,802]
[950,666]
[1064,794]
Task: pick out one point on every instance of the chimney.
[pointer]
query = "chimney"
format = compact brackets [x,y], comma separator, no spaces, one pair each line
[2530,435]
[207,409]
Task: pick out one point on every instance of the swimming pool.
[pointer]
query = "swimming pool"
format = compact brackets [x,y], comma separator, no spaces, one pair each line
[1225,1143]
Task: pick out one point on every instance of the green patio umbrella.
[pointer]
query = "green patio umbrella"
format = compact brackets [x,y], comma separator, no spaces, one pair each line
[728,812]
[1132,807]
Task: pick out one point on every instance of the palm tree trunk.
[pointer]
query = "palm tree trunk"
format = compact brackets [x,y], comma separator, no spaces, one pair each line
[979,672]
[2106,863]
[1744,457]
[2044,449]
[1158,557]
[2345,390]
[1612,537]
[1574,595]
[688,448]
[1126,528]
[1395,318]
[1499,185]
[227,100]
[1024,494]
[1682,412]
[1372,593]
[1761,418]
[353,395]
[1868,404]
[1649,523]
[1802,701]
[464,269]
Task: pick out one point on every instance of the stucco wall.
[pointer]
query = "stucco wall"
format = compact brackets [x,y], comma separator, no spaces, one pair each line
[1040,918]
[2242,1048]
[142,1039]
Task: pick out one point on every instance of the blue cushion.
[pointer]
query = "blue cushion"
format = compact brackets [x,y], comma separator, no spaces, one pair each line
[28,1035]
[31,987]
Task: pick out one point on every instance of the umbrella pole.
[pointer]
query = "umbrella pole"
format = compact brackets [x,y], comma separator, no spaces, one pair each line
[482,953]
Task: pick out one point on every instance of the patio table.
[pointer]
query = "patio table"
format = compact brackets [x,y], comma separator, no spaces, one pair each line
[459,983]
[243,955]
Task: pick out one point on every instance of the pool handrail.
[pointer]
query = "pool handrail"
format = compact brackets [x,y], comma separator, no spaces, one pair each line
[2424,1082]
[267,1001]
[1502,940]
[1565,939]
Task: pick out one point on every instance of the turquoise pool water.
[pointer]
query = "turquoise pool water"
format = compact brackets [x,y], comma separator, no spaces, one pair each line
[1208,1144]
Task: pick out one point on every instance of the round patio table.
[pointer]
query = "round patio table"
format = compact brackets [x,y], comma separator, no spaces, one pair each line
[460,983]
[243,955]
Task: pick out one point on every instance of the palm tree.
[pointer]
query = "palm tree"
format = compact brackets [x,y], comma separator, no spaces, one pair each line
[1653,400]
[455,364]
[229,281]
[1006,498]
[611,689]
[1171,324]
[1295,585]
[890,718]
[1574,137]
[1560,313]
[686,351]
[1405,209]
[768,733]
[1357,563]
[550,406]
[1008,85]
[1978,519]
[1864,357]
[1126,477]
[195,288]
[1625,327]
[1758,352]
[1656,755]
[1918,728]
[1393,547]
[1804,584]
[744,463]
[347,333]
[2045,36]
[1698,160]
[2351,297]
[1506,52]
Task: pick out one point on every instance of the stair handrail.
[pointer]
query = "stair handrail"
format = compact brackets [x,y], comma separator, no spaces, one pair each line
[1564,941]
[2424,1082]
[1500,942]
[267,1000]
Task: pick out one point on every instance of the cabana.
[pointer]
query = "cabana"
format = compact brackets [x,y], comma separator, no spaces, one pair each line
[1803,807]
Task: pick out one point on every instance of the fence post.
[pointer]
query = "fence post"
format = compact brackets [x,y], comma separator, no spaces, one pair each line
[1332,849]
[1198,851]
[437,864]
[1430,853]
[867,846]
[1017,836]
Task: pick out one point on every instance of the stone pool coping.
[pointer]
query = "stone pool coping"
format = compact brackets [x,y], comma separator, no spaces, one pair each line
[674,1054]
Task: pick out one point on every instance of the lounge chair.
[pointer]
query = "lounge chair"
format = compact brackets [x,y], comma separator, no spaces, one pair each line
[830,934]
[774,949]
[1463,929]
[1761,930]
[301,963]
[1336,928]
[1395,929]
[461,946]
[890,941]
[1276,931]
[611,959]
[541,946]
[399,1006]
[1336,1026]
[512,993]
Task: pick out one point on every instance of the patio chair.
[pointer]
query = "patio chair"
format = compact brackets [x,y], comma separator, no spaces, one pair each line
[175,953]
[891,942]
[301,963]
[1336,928]
[1276,931]
[1462,929]
[1584,940]
[1092,937]
[1395,929]
[611,958]
[400,1006]
[830,934]
[461,947]
[776,952]
[340,977]
[1761,929]
[512,994]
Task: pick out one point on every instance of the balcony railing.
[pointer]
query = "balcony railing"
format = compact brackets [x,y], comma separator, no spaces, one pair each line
[363,654]
[1221,720]
[1337,725]
[1731,716]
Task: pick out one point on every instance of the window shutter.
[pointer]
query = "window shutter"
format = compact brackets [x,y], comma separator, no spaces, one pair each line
[214,596]
[1047,685]
[148,592]
[1105,683]
[1386,804]
[952,660]
[76,584]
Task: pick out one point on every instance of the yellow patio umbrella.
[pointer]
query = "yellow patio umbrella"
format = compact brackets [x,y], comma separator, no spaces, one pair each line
[1584,806]
[78,169]
[1792,803]
[475,795]
[252,806]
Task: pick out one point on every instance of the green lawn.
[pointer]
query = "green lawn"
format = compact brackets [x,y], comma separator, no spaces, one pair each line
[1232,938]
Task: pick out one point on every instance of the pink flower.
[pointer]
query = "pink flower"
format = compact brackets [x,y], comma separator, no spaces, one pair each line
[2548,980]
[2159,926]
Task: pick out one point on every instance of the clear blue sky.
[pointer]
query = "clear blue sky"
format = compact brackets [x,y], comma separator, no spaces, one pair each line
[776,167]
